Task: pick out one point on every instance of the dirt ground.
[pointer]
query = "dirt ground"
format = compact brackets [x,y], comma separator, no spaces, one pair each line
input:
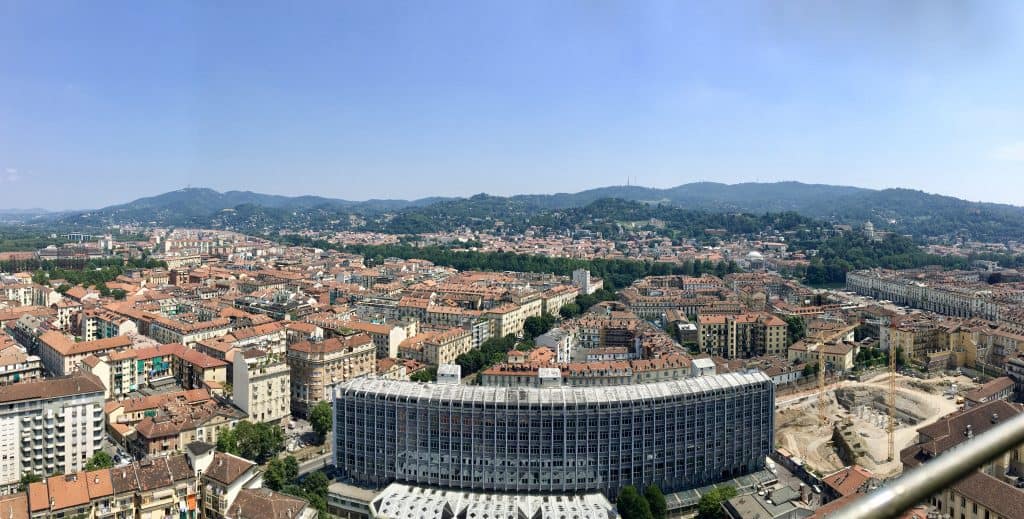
[798,429]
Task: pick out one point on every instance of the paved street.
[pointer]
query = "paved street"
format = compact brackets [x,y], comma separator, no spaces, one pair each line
[316,463]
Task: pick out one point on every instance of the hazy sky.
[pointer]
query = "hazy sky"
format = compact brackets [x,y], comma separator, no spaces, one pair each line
[104,102]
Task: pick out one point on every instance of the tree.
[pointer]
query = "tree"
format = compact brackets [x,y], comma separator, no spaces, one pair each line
[281,472]
[99,460]
[316,483]
[41,278]
[795,328]
[227,441]
[321,418]
[631,505]
[27,479]
[427,374]
[536,326]
[119,294]
[490,352]
[258,442]
[710,506]
[656,501]
[315,490]
[810,369]
[569,310]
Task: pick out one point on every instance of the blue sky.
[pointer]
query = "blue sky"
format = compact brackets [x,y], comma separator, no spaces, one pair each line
[103,102]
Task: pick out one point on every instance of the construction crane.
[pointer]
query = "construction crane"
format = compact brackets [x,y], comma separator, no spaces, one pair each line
[822,401]
[892,402]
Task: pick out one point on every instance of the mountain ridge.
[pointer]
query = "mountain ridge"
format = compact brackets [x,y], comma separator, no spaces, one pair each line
[897,209]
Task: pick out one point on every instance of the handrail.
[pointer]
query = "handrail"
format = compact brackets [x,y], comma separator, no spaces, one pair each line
[897,496]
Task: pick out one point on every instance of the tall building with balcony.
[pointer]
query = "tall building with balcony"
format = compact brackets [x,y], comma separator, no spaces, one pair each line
[262,385]
[742,336]
[49,426]
[316,367]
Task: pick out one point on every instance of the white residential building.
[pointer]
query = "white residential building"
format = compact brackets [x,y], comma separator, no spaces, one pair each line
[262,385]
[49,426]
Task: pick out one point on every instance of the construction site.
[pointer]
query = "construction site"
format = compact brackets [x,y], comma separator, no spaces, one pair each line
[849,422]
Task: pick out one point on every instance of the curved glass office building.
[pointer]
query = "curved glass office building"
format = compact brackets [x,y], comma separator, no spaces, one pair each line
[678,434]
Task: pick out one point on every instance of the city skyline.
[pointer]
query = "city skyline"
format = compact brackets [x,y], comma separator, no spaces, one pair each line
[103,106]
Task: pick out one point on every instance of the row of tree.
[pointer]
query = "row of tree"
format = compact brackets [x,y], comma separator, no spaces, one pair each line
[631,504]
[616,273]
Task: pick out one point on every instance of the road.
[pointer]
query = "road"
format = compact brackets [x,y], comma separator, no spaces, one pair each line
[314,464]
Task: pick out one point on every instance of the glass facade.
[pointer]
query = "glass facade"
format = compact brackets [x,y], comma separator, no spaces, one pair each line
[677,434]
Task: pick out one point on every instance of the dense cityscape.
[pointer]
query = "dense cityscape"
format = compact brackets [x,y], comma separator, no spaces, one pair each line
[155,371]
[511,260]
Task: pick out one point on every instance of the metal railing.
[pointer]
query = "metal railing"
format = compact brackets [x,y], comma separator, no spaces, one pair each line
[898,496]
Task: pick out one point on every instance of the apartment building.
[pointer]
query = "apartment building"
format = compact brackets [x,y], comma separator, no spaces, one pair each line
[508,318]
[919,337]
[989,491]
[99,323]
[67,311]
[49,426]
[272,337]
[386,338]
[61,355]
[553,299]
[316,367]
[232,488]
[262,385]
[582,279]
[838,356]
[224,477]
[29,294]
[945,294]
[302,331]
[153,489]
[177,423]
[123,414]
[168,331]
[16,365]
[562,341]
[132,369]
[588,374]
[198,483]
[437,347]
[742,335]
[996,389]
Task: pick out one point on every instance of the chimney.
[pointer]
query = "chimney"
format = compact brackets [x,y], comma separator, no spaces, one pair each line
[968,432]
[995,418]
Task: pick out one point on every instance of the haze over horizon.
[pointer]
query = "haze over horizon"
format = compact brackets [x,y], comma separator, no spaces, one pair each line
[103,103]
